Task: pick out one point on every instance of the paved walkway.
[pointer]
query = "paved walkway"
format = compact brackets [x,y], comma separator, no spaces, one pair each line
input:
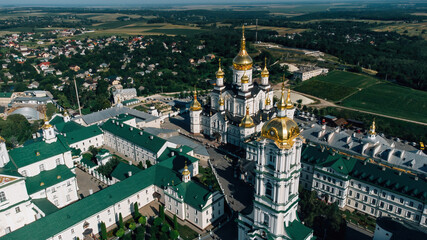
[85,181]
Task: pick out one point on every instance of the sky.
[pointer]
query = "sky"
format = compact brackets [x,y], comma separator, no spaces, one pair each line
[145,2]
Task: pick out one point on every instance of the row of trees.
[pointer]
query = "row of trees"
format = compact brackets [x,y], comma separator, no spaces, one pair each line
[326,220]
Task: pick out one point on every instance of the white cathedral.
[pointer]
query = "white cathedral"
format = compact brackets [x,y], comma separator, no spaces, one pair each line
[237,109]
[242,113]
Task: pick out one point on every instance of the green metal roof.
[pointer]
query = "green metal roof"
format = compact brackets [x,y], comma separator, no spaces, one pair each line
[5,94]
[68,127]
[167,153]
[88,162]
[45,205]
[389,179]
[122,170]
[47,179]
[297,230]
[10,172]
[154,145]
[83,133]
[36,151]
[177,162]
[56,120]
[70,215]
[194,194]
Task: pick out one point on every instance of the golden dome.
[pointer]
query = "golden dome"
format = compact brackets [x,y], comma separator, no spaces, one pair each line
[195,106]
[221,101]
[267,101]
[247,121]
[2,140]
[372,130]
[219,73]
[282,130]
[242,61]
[245,78]
[265,72]
[186,171]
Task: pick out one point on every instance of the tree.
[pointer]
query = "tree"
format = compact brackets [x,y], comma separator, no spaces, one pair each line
[103,231]
[140,233]
[174,234]
[142,220]
[121,224]
[162,212]
[175,223]
[120,232]
[136,213]
[140,166]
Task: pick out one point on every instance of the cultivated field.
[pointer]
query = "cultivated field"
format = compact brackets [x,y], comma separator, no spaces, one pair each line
[336,86]
[410,29]
[391,99]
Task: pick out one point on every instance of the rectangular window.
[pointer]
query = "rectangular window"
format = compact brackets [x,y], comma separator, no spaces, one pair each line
[373,201]
[390,207]
[196,220]
[41,166]
[2,197]
[411,204]
[408,214]
[17,210]
[401,200]
[382,205]
[350,193]
[357,196]
[72,230]
[392,197]
[68,198]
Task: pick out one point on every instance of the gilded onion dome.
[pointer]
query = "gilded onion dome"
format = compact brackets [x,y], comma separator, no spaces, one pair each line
[242,61]
[219,73]
[2,140]
[245,78]
[46,124]
[265,72]
[186,172]
[247,121]
[195,106]
[221,101]
[372,130]
[281,129]
[267,101]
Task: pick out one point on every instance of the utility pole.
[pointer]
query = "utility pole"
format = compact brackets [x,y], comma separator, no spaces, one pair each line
[77,95]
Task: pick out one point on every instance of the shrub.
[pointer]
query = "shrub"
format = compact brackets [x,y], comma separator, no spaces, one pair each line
[136,212]
[142,220]
[158,221]
[174,234]
[120,232]
[165,228]
[175,223]
[132,226]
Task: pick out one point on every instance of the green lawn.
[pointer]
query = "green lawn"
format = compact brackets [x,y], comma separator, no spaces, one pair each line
[391,99]
[348,79]
[325,90]
[185,232]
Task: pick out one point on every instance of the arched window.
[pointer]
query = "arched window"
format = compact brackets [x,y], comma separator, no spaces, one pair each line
[266,219]
[2,197]
[269,190]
